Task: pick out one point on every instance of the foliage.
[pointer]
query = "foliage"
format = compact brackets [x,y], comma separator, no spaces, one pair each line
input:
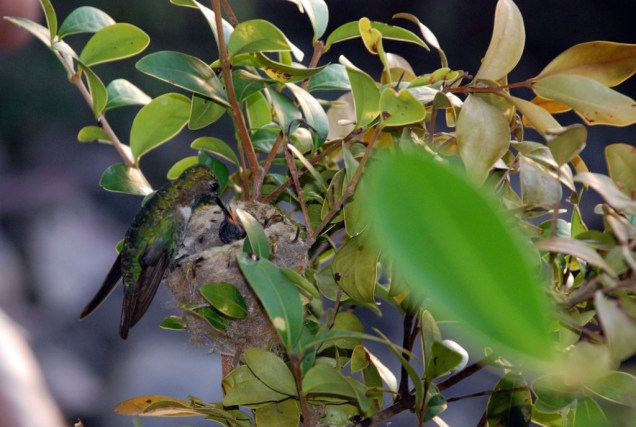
[460,216]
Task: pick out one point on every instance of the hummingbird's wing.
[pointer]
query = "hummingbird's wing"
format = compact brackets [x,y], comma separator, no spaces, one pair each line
[111,280]
[137,299]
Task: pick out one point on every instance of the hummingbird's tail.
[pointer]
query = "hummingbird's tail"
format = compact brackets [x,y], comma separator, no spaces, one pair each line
[111,280]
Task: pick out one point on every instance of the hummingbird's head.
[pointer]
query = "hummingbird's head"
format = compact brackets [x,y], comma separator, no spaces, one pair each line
[198,184]
[231,229]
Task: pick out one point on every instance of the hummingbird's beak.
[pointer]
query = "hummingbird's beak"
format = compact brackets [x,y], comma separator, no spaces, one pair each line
[227,212]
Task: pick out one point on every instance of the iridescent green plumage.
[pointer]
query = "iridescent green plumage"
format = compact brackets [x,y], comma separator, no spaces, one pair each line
[151,240]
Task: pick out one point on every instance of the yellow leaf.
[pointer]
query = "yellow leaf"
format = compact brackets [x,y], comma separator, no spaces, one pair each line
[506,44]
[156,406]
[606,62]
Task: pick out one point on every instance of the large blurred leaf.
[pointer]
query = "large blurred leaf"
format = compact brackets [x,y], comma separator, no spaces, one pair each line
[588,414]
[124,179]
[184,71]
[483,137]
[85,19]
[157,122]
[456,248]
[621,164]
[279,296]
[506,44]
[117,41]
[617,387]
[595,103]
[608,63]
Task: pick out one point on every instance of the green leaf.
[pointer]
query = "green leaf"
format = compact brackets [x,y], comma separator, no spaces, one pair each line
[608,63]
[122,93]
[539,188]
[174,323]
[204,112]
[566,143]
[257,35]
[588,414]
[209,314]
[159,121]
[506,44]
[617,387]
[347,321]
[553,393]
[284,73]
[257,242]
[445,357]
[98,91]
[421,222]
[399,109]
[483,137]
[271,370]
[621,159]
[332,77]
[318,14]
[156,406]
[366,96]
[540,119]
[351,30]
[301,282]
[312,110]
[279,296]
[354,269]
[323,379]
[242,387]
[507,408]
[85,19]
[209,16]
[124,179]
[595,103]
[40,32]
[284,108]
[608,190]
[117,41]
[175,171]
[51,19]
[218,167]
[226,298]
[184,71]
[278,414]
[92,133]
[215,146]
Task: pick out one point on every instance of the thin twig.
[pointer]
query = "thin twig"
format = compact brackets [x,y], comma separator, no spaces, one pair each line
[473,89]
[485,393]
[230,13]
[467,372]
[272,153]
[304,407]
[299,189]
[318,46]
[235,108]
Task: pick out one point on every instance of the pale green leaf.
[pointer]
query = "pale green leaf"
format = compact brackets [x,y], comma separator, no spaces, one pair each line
[575,248]
[124,179]
[621,164]
[278,414]
[85,19]
[400,109]
[506,44]
[312,110]
[162,119]
[483,137]
[117,41]
[204,112]
[595,103]
[354,268]
[566,143]
[122,93]
[507,408]
[271,370]
[256,242]
[608,190]
[175,170]
[51,19]
[366,96]
[99,94]
[215,146]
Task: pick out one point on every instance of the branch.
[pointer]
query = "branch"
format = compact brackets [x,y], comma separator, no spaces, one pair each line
[304,407]
[235,109]
[299,190]
[462,375]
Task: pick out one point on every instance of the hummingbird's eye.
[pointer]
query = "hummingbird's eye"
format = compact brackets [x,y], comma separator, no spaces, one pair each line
[214,186]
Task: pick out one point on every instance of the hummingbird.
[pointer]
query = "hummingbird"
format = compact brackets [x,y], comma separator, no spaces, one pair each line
[152,238]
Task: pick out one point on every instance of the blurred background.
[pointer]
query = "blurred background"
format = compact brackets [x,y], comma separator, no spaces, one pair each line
[58,229]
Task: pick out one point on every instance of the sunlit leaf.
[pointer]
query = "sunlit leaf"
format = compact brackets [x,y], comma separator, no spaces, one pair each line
[621,161]
[257,35]
[40,32]
[312,110]
[162,119]
[506,44]
[399,109]
[608,190]
[271,370]
[173,323]
[215,146]
[366,96]
[256,242]
[595,103]
[117,41]
[85,19]
[318,14]
[510,404]
[421,222]
[184,71]
[608,63]
[92,133]
[446,356]
[156,406]
[483,137]
[351,30]
[279,296]
[175,170]
[122,93]
[124,179]
[99,94]
[51,18]
[537,116]
[217,320]
[284,73]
